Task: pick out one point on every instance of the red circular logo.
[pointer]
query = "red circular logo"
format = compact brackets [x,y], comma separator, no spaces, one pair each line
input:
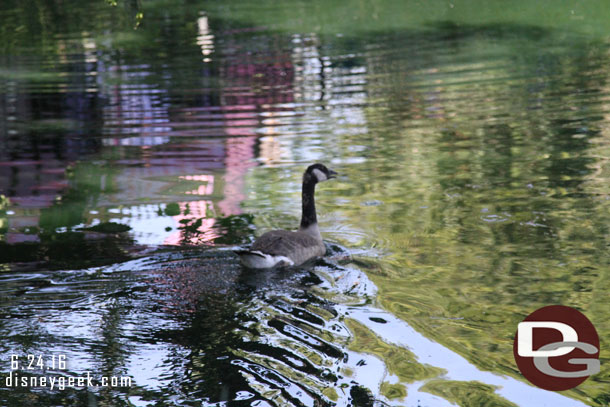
[556,348]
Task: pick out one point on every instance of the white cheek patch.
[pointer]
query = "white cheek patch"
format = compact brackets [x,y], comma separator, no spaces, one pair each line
[319,175]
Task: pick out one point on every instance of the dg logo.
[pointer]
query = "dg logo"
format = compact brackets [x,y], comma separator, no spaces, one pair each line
[556,348]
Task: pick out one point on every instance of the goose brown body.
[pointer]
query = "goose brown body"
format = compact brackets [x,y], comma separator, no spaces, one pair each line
[297,246]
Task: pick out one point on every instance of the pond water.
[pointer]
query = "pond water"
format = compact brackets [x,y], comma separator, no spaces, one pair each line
[140,142]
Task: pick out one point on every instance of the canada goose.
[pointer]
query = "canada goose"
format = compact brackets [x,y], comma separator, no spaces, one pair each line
[284,248]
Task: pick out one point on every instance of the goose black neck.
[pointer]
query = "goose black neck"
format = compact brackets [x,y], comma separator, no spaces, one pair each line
[308,217]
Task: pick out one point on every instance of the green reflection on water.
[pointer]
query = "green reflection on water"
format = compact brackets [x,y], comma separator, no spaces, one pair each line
[330,17]
[32,24]
[466,393]
[485,223]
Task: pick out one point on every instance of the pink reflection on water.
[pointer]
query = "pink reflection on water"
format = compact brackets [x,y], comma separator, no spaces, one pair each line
[33,201]
[13,238]
[239,159]
[22,223]
[202,189]
[157,138]
[195,210]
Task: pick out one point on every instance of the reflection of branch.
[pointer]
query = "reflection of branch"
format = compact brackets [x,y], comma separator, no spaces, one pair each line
[137,15]
[322,80]
[192,228]
[135,9]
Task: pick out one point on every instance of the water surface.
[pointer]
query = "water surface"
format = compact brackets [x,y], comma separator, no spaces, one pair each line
[138,147]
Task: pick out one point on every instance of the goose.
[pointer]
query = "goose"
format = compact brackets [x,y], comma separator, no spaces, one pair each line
[285,248]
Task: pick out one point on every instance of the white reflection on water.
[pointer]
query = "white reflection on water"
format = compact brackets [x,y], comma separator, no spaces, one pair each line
[205,39]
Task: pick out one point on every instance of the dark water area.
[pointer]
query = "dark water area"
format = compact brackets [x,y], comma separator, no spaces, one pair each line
[140,142]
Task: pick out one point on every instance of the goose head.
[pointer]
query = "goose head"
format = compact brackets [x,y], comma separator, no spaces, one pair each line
[318,173]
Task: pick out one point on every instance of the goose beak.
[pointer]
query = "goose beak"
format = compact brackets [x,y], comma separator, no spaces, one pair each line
[332,174]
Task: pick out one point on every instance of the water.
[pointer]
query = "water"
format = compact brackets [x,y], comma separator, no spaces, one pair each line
[139,143]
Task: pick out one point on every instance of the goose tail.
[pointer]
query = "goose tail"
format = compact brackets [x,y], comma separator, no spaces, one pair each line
[256,259]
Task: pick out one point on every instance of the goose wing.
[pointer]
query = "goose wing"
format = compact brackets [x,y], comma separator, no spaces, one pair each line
[285,243]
